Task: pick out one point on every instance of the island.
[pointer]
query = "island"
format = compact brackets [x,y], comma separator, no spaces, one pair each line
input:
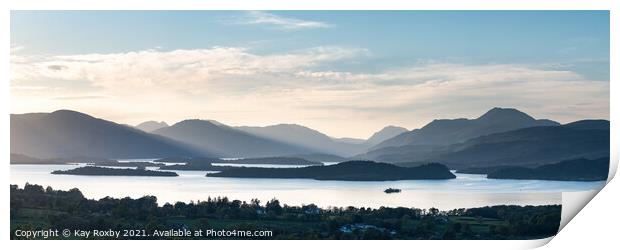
[99,171]
[25,159]
[569,170]
[174,159]
[137,164]
[272,160]
[195,167]
[392,190]
[318,157]
[280,160]
[345,171]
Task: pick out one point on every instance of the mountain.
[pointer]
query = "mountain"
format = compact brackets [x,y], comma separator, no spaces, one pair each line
[151,126]
[384,134]
[316,141]
[227,141]
[569,170]
[450,131]
[66,133]
[528,146]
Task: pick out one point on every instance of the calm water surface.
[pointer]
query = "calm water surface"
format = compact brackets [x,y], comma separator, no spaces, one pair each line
[467,190]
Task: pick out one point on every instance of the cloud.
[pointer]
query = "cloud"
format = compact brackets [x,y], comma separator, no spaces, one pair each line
[184,70]
[466,90]
[57,67]
[272,20]
[236,86]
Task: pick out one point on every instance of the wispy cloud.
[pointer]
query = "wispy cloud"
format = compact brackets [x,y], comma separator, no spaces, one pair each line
[276,21]
[236,86]
[195,69]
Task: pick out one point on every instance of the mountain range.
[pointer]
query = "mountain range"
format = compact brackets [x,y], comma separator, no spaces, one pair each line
[226,141]
[450,131]
[527,146]
[318,142]
[501,136]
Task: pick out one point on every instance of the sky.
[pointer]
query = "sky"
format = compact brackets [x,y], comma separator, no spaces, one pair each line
[344,73]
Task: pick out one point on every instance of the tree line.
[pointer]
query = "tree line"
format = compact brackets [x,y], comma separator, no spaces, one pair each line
[35,207]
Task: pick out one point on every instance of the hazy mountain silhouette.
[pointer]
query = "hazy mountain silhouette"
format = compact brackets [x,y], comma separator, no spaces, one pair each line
[450,131]
[150,126]
[349,140]
[384,134]
[66,133]
[305,137]
[227,141]
[528,146]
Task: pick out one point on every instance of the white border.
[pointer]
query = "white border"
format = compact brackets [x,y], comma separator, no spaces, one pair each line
[595,226]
